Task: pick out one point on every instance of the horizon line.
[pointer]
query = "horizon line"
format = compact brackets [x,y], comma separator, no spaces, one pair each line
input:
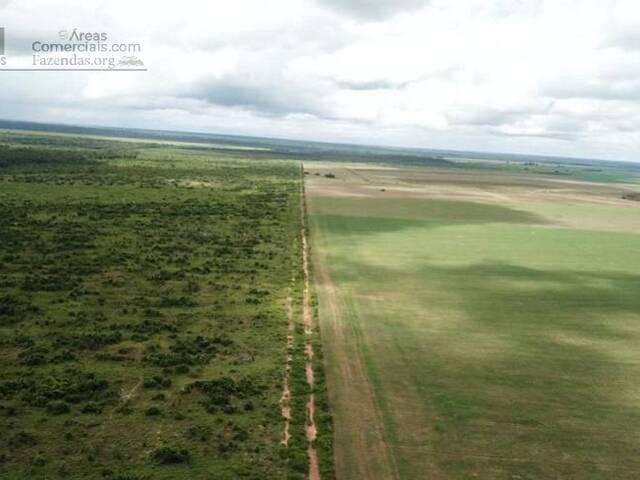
[325,142]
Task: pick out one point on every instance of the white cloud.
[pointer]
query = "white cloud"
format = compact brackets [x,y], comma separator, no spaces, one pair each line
[531,76]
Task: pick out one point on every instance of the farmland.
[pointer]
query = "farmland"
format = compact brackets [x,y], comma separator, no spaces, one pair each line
[180,305]
[479,321]
[151,304]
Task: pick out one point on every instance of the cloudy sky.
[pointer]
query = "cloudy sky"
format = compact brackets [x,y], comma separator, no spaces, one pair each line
[531,76]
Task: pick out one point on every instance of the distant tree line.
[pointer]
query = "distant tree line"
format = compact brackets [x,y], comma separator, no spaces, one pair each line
[10,156]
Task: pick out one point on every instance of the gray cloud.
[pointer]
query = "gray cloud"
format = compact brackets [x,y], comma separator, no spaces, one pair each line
[593,88]
[624,39]
[513,7]
[375,9]
[550,135]
[279,98]
[371,85]
[306,34]
[484,118]
[487,116]
[482,74]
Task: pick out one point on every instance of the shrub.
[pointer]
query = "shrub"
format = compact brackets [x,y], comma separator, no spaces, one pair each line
[220,392]
[64,356]
[92,407]
[14,309]
[169,456]
[150,326]
[200,432]
[631,196]
[88,341]
[71,386]
[23,439]
[8,410]
[171,302]
[197,350]
[58,407]
[39,460]
[125,409]
[157,382]
[33,356]
[181,369]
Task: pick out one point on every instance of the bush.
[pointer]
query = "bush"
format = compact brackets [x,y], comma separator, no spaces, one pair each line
[8,410]
[149,326]
[157,382]
[92,407]
[39,460]
[33,356]
[58,407]
[14,309]
[152,412]
[181,369]
[170,456]
[631,196]
[220,392]
[88,341]
[23,439]
[171,302]
[71,386]
[125,408]
[197,350]
[200,432]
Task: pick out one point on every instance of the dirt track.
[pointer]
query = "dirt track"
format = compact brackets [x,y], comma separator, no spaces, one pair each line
[362,452]
[314,472]
[285,400]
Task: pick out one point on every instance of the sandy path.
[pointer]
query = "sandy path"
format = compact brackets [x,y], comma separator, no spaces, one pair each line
[285,399]
[126,395]
[307,315]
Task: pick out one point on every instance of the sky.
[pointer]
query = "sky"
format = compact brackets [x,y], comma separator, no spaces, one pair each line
[558,77]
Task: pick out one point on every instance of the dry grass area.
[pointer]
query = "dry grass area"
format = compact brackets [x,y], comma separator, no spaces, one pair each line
[536,193]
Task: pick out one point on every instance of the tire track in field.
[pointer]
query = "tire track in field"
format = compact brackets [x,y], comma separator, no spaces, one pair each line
[360,175]
[307,315]
[361,448]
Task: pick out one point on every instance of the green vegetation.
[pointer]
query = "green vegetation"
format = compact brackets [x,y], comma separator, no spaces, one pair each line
[479,316]
[631,196]
[142,310]
[478,327]
[593,171]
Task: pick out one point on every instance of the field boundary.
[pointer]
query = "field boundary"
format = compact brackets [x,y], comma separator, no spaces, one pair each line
[323,437]
[348,387]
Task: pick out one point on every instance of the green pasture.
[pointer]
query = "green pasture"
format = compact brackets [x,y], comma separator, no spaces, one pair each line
[497,343]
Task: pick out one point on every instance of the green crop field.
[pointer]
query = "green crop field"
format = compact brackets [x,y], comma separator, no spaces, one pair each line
[144,320]
[478,323]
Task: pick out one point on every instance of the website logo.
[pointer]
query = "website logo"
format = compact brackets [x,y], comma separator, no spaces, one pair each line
[3,59]
[75,50]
